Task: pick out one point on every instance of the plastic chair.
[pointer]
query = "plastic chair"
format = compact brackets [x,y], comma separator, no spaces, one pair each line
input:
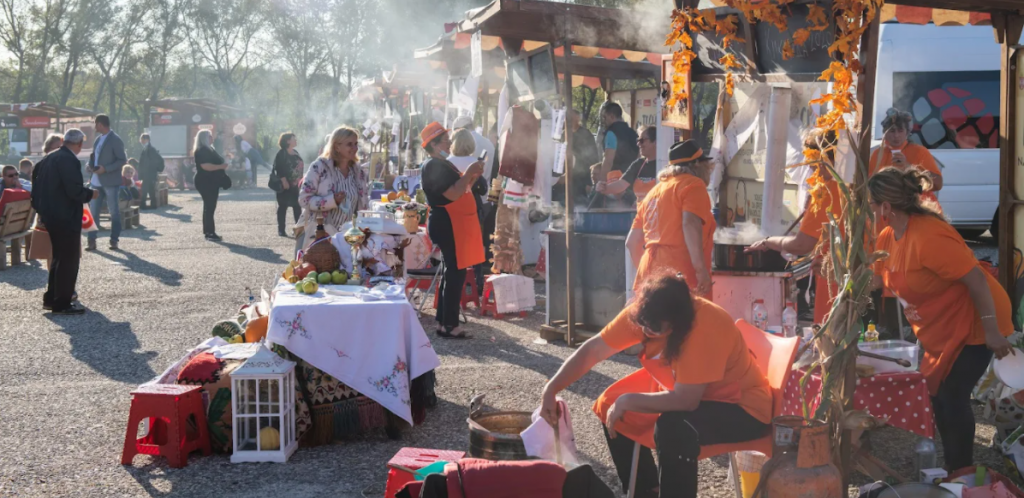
[167,408]
[774,355]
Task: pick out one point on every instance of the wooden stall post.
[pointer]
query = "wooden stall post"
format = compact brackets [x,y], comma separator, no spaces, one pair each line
[570,229]
[1007,31]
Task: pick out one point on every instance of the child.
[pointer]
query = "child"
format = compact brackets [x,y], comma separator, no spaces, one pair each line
[128,181]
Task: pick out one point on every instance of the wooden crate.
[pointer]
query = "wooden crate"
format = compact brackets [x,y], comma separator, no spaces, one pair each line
[161,197]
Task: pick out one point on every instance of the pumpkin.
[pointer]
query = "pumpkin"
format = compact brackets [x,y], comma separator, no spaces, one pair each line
[270,439]
[257,329]
[392,196]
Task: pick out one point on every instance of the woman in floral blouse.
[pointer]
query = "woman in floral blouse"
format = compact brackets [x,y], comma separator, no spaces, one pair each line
[334,185]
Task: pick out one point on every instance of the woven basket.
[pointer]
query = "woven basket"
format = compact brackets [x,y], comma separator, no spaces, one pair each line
[322,253]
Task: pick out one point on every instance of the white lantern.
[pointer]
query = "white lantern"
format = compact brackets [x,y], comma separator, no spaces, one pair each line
[263,414]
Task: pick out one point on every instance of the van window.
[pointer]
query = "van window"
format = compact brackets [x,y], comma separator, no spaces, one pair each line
[951,109]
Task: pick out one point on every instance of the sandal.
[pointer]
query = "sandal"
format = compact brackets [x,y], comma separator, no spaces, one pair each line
[447,334]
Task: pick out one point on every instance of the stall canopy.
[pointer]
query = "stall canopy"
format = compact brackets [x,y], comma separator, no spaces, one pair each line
[528,25]
[43,109]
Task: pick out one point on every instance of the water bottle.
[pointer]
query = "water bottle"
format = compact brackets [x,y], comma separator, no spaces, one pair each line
[871,335]
[759,314]
[924,456]
[789,320]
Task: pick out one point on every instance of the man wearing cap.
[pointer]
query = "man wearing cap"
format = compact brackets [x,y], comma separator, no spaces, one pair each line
[453,223]
[674,227]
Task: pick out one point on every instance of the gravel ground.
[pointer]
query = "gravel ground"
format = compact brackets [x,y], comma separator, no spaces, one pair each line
[64,381]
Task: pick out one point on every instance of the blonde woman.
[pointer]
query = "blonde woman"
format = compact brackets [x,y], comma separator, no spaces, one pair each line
[334,185]
[210,178]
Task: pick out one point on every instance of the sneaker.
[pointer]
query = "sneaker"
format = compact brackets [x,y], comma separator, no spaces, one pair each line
[213,237]
[91,246]
[281,233]
[74,309]
[113,246]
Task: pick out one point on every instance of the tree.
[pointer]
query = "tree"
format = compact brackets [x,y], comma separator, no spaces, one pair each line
[297,28]
[164,36]
[222,33]
[87,18]
[114,55]
[50,20]
[13,35]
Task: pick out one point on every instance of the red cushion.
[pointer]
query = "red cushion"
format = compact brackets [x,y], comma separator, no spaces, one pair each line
[536,479]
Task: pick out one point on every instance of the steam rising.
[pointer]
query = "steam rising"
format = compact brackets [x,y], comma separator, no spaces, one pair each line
[741,234]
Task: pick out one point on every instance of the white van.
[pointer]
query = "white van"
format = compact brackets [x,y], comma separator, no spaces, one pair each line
[947,77]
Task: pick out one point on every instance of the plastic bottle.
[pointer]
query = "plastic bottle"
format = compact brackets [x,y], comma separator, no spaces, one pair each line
[924,456]
[759,314]
[789,320]
[871,335]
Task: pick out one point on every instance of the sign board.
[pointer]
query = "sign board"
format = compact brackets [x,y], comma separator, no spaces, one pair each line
[532,74]
[35,122]
[9,122]
[162,119]
[810,58]
[238,129]
[477,55]
[680,115]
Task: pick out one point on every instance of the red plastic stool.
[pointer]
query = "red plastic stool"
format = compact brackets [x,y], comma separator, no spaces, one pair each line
[166,407]
[414,459]
[469,291]
[490,302]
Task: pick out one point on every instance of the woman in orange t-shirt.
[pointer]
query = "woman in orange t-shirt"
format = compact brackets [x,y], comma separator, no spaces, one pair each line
[812,232]
[898,152]
[699,386]
[958,311]
[674,228]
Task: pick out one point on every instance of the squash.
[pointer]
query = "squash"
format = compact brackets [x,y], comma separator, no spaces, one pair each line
[257,329]
[392,196]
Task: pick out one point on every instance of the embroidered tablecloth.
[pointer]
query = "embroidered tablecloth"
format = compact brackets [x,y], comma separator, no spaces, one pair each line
[376,348]
[901,397]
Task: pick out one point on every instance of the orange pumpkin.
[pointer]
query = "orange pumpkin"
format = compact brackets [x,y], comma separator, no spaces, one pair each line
[392,196]
[256,329]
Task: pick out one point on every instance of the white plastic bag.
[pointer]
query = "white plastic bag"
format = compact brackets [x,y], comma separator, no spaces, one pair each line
[541,442]
[88,221]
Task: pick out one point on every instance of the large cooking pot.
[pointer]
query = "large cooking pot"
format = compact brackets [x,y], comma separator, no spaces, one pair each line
[733,257]
[495,435]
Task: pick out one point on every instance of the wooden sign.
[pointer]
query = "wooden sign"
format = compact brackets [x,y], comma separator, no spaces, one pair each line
[810,58]
[680,115]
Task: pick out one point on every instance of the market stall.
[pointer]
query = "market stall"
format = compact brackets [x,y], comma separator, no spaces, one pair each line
[28,125]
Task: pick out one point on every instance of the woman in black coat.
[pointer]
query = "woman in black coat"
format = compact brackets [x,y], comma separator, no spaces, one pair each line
[288,167]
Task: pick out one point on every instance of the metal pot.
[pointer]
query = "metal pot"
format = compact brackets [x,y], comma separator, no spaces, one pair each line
[495,435]
[733,257]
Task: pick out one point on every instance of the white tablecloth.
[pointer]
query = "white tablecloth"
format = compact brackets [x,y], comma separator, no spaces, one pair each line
[376,348]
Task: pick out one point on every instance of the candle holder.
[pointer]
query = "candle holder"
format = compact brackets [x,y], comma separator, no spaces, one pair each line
[355,238]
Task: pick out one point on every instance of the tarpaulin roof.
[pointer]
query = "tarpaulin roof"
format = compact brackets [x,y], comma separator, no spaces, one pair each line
[44,109]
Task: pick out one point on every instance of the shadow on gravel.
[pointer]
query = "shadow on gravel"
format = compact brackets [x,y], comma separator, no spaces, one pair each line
[107,347]
[258,253]
[138,265]
[139,233]
[26,276]
[169,212]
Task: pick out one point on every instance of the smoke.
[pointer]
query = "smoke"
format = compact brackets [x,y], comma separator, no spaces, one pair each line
[741,234]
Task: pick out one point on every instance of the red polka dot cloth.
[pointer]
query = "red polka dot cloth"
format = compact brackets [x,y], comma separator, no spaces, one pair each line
[901,397]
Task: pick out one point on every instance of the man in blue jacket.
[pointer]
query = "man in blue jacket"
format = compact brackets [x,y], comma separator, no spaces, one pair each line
[58,197]
[105,163]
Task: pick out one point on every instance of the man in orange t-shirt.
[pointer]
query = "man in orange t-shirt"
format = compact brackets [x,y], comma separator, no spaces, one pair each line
[898,152]
[674,228]
[699,386]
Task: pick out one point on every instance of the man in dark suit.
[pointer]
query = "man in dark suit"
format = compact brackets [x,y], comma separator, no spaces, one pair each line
[151,164]
[58,197]
[105,163]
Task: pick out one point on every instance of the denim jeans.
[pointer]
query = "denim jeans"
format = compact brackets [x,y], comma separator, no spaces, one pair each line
[110,196]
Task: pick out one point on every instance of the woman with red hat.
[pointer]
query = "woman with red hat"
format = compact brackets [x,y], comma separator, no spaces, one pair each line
[453,223]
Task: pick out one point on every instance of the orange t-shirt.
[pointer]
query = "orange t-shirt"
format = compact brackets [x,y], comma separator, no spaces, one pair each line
[714,353]
[813,225]
[660,216]
[917,155]
[930,259]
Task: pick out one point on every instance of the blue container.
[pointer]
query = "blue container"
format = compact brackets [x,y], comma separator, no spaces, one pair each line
[604,222]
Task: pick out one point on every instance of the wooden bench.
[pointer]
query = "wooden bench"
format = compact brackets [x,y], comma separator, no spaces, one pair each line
[129,213]
[15,227]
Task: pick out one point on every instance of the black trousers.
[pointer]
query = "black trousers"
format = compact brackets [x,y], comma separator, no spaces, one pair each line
[148,190]
[678,437]
[954,415]
[454,279]
[287,199]
[67,255]
[210,195]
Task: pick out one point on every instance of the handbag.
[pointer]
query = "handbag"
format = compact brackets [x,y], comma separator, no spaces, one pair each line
[225,180]
[275,182]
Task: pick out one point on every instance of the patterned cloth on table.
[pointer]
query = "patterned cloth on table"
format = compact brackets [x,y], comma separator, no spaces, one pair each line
[902,397]
[377,348]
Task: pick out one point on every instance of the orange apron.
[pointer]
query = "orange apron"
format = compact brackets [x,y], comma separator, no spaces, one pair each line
[657,257]
[655,376]
[641,188]
[469,240]
[940,350]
